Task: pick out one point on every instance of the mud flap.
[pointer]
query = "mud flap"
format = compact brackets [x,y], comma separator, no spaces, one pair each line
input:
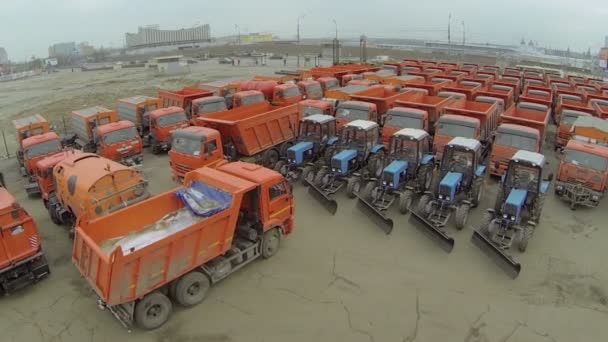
[444,241]
[377,216]
[329,203]
[503,260]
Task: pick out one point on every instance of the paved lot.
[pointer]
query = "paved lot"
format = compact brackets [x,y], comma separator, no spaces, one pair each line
[337,277]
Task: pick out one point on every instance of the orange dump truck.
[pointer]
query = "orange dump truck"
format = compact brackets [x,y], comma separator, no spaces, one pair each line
[429,87]
[84,122]
[328,83]
[344,93]
[260,137]
[311,90]
[173,247]
[522,127]
[22,261]
[384,97]
[311,107]
[468,88]
[466,119]
[87,183]
[27,127]
[275,93]
[570,111]
[163,121]
[35,148]
[136,109]
[502,92]
[432,108]
[182,98]
[192,148]
[405,81]
[223,88]
[542,95]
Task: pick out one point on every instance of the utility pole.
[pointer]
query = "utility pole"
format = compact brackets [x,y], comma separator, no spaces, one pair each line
[449,34]
[336,45]
[301,16]
[464,39]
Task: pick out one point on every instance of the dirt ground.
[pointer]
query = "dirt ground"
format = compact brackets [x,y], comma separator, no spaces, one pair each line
[337,277]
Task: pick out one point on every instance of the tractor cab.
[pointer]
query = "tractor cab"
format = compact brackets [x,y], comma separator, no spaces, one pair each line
[522,183]
[357,140]
[409,148]
[459,166]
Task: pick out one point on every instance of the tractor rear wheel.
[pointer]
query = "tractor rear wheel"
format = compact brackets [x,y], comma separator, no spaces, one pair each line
[477,191]
[374,164]
[320,177]
[435,180]
[537,207]
[153,311]
[353,186]
[425,177]
[405,201]
[366,193]
[422,206]
[271,157]
[462,215]
[308,174]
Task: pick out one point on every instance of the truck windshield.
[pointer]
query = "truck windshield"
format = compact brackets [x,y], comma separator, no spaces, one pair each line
[568,119]
[42,149]
[310,110]
[172,119]
[314,91]
[586,160]
[352,113]
[31,132]
[123,134]
[516,141]
[252,99]
[400,121]
[291,92]
[455,130]
[331,84]
[185,145]
[212,107]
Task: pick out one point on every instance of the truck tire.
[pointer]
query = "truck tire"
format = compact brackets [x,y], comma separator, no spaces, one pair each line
[477,192]
[271,157]
[308,174]
[284,147]
[319,178]
[278,167]
[462,215]
[405,201]
[154,146]
[191,289]
[353,186]
[423,202]
[271,241]
[153,311]
[367,191]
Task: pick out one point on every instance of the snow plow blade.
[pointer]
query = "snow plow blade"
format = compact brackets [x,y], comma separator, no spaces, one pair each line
[377,216]
[329,203]
[503,260]
[444,241]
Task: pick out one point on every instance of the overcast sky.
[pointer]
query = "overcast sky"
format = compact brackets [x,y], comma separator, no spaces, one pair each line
[28,27]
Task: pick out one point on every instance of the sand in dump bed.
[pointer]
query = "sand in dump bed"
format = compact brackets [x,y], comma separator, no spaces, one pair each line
[168,225]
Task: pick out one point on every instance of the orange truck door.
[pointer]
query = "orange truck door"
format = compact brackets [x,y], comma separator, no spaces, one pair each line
[18,242]
[279,202]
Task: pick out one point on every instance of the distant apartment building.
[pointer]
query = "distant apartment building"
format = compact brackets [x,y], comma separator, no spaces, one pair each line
[3,56]
[62,50]
[152,36]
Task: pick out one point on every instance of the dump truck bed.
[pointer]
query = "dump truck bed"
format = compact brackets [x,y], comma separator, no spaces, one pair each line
[529,118]
[181,98]
[432,104]
[131,253]
[345,93]
[254,132]
[590,129]
[485,112]
[383,98]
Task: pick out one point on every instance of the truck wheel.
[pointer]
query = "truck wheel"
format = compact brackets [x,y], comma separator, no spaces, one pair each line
[191,289]
[367,191]
[422,206]
[353,186]
[462,214]
[405,201]
[153,311]
[284,147]
[320,177]
[271,157]
[477,191]
[308,174]
[54,216]
[271,241]
[278,167]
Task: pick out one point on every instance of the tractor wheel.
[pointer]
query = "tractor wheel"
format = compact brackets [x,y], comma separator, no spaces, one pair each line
[374,164]
[405,201]
[280,167]
[537,207]
[423,203]
[435,180]
[353,186]
[153,311]
[308,174]
[191,289]
[366,193]
[329,152]
[500,197]
[425,177]
[524,237]
[271,241]
[271,157]
[462,215]
[484,226]
[477,192]
[320,177]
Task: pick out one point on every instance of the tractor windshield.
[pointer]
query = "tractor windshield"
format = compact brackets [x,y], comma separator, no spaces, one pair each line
[523,177]
[400,121]
[317,132]
[120,135]
[42,149]
[186,145]
[455,130]
[353,113]
[457,160]
[404,149]
[516,141]
[586,160]
[172,119]
[353,138]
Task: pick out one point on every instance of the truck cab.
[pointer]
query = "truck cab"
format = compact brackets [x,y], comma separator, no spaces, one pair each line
[36,148]
[44,176]
[311,107]
[137,109]
[22,261]
[286,94]
[450,126]
[398,118]
[509,139]
[348,111]
[583,174]
[567,119]
[120,142]
[162,122]
[192,148]
[311,90]
[224,89]
[248,97]
[328,83]
[28,127]
[207,105]
[84,122]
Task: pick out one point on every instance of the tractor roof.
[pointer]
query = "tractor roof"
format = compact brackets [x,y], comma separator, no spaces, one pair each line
[319,118]
[362,124]
[415,133]
[530,157]
[471,144]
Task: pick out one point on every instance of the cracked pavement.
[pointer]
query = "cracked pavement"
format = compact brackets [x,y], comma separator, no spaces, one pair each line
[339,278]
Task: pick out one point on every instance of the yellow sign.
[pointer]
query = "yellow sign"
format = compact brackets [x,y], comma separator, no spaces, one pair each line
[256,37]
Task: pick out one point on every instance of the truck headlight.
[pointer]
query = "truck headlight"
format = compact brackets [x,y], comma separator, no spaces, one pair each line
[512,218]
[333,169]
[595,198]
[390,184]
[559,188]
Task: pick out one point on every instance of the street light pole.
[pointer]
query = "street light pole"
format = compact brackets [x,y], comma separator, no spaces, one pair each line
[238,34]
[299,18]
[336,23]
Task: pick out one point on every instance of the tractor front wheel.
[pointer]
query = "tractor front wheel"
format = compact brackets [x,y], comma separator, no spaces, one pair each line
[308,174]
[366,193]
[319,179]
[423,204]
[353,186]
[462,215]
[405,201]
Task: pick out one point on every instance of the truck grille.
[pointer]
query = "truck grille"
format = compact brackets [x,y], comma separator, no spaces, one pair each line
[574,181]
[182,169]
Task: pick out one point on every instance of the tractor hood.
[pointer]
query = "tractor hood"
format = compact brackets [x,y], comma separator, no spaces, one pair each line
[449,184]
[515,202]
[295,153]
[340,161]
[393,172]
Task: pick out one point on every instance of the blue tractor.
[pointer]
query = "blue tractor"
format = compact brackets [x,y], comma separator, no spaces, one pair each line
[358,157]
[408,171]
[517,210]
[316,142]
[457,187]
